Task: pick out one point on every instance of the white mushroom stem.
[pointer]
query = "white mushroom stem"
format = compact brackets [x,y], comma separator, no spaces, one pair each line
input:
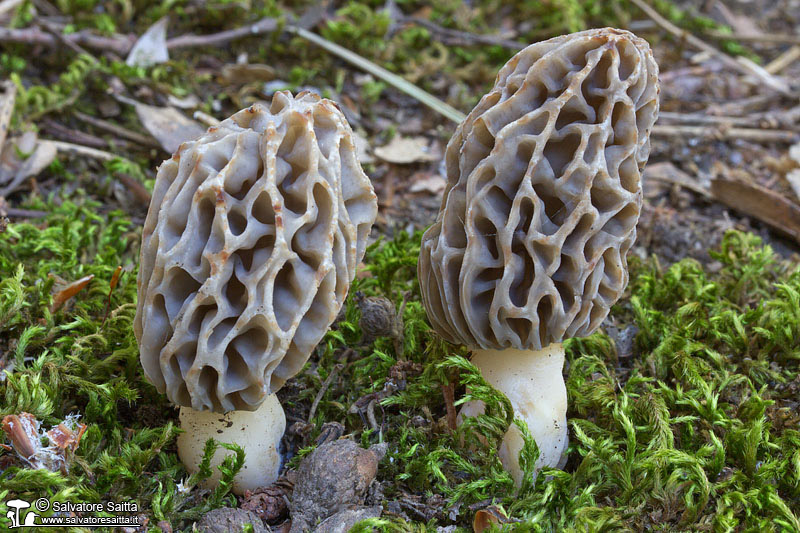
[533,381]
[258,432]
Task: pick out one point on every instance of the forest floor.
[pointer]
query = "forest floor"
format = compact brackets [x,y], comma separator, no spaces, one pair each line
[683,407]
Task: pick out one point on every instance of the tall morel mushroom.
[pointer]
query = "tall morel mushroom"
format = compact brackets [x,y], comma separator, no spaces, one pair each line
[540,209]
[249,247]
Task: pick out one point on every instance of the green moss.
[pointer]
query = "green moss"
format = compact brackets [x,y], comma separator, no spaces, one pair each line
[688,433]
[83,359]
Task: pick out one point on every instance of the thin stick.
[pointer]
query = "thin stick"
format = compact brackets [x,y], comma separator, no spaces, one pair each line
[79,149]
[392,79]
[784,60]
[119,44]
[117,130]
[699,118]
[448,391]
[205,118]
[8,5]
[748,134]
[772,38]
[325,384]
[16,212]
[61,131]
[743,67]
[6,110]
[461,38]
[265,25]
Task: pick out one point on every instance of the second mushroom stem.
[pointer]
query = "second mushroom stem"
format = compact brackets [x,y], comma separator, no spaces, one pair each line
[533,382]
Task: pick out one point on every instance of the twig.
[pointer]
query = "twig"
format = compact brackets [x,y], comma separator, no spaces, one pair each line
[744,106]
[265,25]
[748,134]
[784,60]
[205,118]
[452,37]
[16,212]
[666,172]
[373,422]
[772,38]
[119,44]
[745,67]
[448,391]
[117,130]
[136,188]
[8,5]
[699,118]
[6,110]
[79,149]
[63,132]
[325,384]
[392,79]
[57,33]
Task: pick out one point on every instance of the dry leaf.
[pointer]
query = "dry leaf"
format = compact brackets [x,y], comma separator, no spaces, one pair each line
[362,149]
[793,177]
[763,204]
[427,182]
[14,171]
[485,518]
[187,102]
[169,126]
[239,74]
[151,48]
[26,439]
[65,293]
[794,153]
[404,150]
[6,108]
[668,173]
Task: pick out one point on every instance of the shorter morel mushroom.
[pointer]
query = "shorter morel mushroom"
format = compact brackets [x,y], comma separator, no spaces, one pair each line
[249,247]
[543,195]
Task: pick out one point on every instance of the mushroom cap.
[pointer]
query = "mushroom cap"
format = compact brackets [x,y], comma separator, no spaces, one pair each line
[543,195]
[248,250]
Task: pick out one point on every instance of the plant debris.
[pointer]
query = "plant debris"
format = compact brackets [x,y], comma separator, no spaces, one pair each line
[683,409]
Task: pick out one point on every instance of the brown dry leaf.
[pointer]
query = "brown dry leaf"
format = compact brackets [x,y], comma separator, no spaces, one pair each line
[793,177]
[239,74]
[24,432]
[405,150]
[187,102]
[65,293]
[151,48]
[761,203]
[6,108]
[169,126]
[794,153]
[15,170]
[669,173]
[427,182]
[485,518]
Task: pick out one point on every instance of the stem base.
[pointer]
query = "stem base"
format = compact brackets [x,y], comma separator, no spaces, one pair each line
[258,432]
[533,381]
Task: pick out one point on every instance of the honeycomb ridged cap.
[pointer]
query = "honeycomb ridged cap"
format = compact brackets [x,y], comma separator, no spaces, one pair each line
[251,241]
[543,195]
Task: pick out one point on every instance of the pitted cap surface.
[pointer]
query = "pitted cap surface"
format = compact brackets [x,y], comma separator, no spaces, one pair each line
[543,195]
[248,250]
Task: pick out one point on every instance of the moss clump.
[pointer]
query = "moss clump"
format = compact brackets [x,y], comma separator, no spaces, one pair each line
[83,359]
[697,430]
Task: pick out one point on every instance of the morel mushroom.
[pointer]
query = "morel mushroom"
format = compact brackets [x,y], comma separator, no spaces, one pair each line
[540,209]
[248,250]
